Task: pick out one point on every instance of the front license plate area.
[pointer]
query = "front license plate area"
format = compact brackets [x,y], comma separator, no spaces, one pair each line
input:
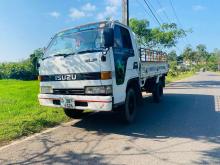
[68,103]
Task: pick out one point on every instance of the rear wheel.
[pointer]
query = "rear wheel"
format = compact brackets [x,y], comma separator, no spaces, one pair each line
[73,113]
[158,92]
[130,107]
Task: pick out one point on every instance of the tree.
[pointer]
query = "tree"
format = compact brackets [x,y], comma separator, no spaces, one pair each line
[186,53]
[165,36]
[180,58]
[140,28]
[213,60]
[216,52]
[201,54]
[34,58]
[172,56]
[189,54]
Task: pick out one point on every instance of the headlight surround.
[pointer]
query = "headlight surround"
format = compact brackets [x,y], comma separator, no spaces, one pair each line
[99,90]
[46,89]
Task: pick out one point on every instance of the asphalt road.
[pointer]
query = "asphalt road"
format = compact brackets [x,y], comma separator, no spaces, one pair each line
[183,129]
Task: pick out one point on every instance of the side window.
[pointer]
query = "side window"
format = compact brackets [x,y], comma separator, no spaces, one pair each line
[117,37]
[122,38]
[126,38]
[122,50]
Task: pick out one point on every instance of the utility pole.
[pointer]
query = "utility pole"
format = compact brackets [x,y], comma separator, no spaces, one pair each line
[125,12]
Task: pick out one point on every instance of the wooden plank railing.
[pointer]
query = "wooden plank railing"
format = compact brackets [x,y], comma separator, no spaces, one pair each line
[148,55]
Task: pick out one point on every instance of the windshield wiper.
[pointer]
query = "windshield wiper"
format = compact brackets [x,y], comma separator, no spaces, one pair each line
[70,54]
[63,54]
[88,51]
[60,54]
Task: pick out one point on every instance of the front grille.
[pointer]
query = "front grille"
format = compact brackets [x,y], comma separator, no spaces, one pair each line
[68,91]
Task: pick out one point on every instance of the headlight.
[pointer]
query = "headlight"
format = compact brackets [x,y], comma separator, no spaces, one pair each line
[106,90]
[46,89]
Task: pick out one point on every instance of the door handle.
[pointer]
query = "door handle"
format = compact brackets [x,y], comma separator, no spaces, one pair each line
[135,65]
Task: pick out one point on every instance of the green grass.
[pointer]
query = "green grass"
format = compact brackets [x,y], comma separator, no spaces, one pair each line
[181,76]
[20,112]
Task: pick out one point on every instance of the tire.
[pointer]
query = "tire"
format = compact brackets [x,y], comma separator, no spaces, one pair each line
[73,113]
[130,107]
[158,92]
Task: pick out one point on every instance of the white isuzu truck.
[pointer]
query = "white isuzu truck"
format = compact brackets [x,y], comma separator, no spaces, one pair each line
[99,67]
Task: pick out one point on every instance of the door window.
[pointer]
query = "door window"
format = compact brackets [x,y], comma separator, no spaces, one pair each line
[122,38]
[122,50]
[126,38]
[117,37]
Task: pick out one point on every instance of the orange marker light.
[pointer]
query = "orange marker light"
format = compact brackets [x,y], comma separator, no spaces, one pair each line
[106,75]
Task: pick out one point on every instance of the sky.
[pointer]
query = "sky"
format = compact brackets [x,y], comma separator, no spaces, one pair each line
[26,25]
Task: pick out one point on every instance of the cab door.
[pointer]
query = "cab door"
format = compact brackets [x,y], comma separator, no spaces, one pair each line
[125,62]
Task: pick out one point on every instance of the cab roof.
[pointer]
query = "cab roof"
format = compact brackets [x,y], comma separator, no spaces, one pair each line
[93,23]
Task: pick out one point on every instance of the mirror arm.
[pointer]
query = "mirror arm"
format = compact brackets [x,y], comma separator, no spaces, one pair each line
[104,53]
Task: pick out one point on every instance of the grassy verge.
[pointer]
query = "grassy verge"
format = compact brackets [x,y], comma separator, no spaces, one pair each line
[20,112]
[180,76]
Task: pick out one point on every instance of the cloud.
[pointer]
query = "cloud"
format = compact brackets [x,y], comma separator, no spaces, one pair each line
[76,14]
[54,14]
[89,7]
[198,7]
[111,10]
[114,2]
[84,11]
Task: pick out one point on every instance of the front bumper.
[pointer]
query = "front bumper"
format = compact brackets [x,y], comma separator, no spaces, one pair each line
[95,103]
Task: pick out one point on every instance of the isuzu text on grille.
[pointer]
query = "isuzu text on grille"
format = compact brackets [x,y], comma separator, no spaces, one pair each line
[67,77]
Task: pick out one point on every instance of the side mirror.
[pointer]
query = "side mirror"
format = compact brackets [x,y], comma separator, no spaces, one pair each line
[108,37]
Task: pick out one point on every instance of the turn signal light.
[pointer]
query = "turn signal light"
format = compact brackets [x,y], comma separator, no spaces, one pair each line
[106,75]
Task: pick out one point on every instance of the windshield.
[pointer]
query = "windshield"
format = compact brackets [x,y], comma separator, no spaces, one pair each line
[72,42]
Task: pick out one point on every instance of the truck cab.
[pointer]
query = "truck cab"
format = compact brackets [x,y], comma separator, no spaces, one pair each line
[92,67]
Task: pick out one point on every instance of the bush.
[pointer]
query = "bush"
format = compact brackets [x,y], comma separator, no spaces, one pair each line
[173,69]
[23,70]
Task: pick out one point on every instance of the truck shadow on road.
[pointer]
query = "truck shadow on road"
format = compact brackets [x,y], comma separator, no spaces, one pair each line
[185,116]
[178,115]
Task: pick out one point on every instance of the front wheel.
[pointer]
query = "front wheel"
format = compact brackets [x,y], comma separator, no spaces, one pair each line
[73,113]
[130,107]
